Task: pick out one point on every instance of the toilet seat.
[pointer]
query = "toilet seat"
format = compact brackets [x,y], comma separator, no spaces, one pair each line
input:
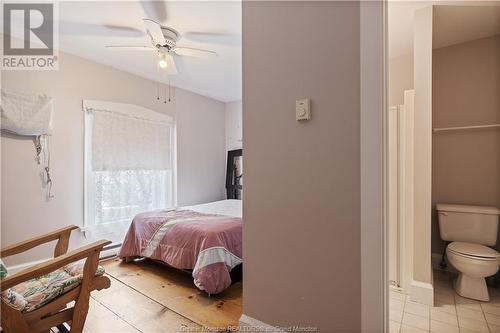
[473,251]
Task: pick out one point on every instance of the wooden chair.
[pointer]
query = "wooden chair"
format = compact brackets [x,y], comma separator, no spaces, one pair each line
[56,313]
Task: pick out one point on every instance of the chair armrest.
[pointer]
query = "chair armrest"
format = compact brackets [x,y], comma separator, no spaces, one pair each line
[52,265]
[62,245]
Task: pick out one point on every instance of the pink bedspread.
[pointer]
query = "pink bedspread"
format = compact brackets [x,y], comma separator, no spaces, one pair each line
[210,245]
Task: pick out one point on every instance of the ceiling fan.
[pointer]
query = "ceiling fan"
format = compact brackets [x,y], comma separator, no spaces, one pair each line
[164,42]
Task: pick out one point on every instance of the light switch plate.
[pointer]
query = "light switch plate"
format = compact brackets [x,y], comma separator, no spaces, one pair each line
[303,109]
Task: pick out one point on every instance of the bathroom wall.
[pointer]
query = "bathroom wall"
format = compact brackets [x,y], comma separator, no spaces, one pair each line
[466,164]
[400,78]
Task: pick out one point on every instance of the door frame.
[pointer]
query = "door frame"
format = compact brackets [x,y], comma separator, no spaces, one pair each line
[373,103]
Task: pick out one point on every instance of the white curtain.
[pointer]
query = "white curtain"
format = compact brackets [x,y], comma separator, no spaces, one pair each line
[130,162]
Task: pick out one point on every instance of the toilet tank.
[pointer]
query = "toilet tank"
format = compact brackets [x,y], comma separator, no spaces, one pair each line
[471,224]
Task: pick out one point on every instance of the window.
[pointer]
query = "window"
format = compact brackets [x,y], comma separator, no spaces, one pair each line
[129,166]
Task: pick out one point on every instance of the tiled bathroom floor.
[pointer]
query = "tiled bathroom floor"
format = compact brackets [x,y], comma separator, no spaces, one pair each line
[450,314]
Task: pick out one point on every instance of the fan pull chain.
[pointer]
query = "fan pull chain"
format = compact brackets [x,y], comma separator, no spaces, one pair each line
[157,83]
[169,91]
[165,100]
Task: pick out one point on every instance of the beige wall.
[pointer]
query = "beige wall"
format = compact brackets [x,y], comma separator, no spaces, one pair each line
[466,91]
[201,151]
[234,125]
[400,78]
[302,179]
[26,213]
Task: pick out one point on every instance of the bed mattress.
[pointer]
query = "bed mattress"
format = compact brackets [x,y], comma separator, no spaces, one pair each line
[206,238]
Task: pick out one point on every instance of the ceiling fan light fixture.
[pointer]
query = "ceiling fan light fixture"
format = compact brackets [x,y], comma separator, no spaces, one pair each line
[164,42]
[162,62]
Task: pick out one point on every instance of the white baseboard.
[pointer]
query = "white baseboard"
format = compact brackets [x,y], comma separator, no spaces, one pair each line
[249,324]
[422,292]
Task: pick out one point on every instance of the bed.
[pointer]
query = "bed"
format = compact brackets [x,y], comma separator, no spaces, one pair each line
[206,238]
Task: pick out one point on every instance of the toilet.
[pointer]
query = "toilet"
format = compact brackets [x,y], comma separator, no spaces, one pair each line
[471,230]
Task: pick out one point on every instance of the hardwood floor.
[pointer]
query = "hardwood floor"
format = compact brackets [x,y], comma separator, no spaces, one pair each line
[149,297]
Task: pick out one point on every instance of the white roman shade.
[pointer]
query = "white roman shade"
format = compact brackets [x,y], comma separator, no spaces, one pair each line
[129,166]
[124,142]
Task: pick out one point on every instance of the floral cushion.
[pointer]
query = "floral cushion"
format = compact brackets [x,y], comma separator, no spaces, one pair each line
[35,293]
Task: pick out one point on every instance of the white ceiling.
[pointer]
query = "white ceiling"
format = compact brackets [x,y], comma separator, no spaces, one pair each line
[457,22]
[84,30]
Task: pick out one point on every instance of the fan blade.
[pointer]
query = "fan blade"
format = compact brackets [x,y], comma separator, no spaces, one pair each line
[131,47]
[154,31]
[193,52]
[89,29]
[213,37]
[124,30]
[155,9]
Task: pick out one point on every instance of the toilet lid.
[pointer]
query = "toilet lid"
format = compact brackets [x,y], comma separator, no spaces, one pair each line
[475,250]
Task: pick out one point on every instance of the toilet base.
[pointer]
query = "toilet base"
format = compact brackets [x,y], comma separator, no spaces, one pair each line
[472,287]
